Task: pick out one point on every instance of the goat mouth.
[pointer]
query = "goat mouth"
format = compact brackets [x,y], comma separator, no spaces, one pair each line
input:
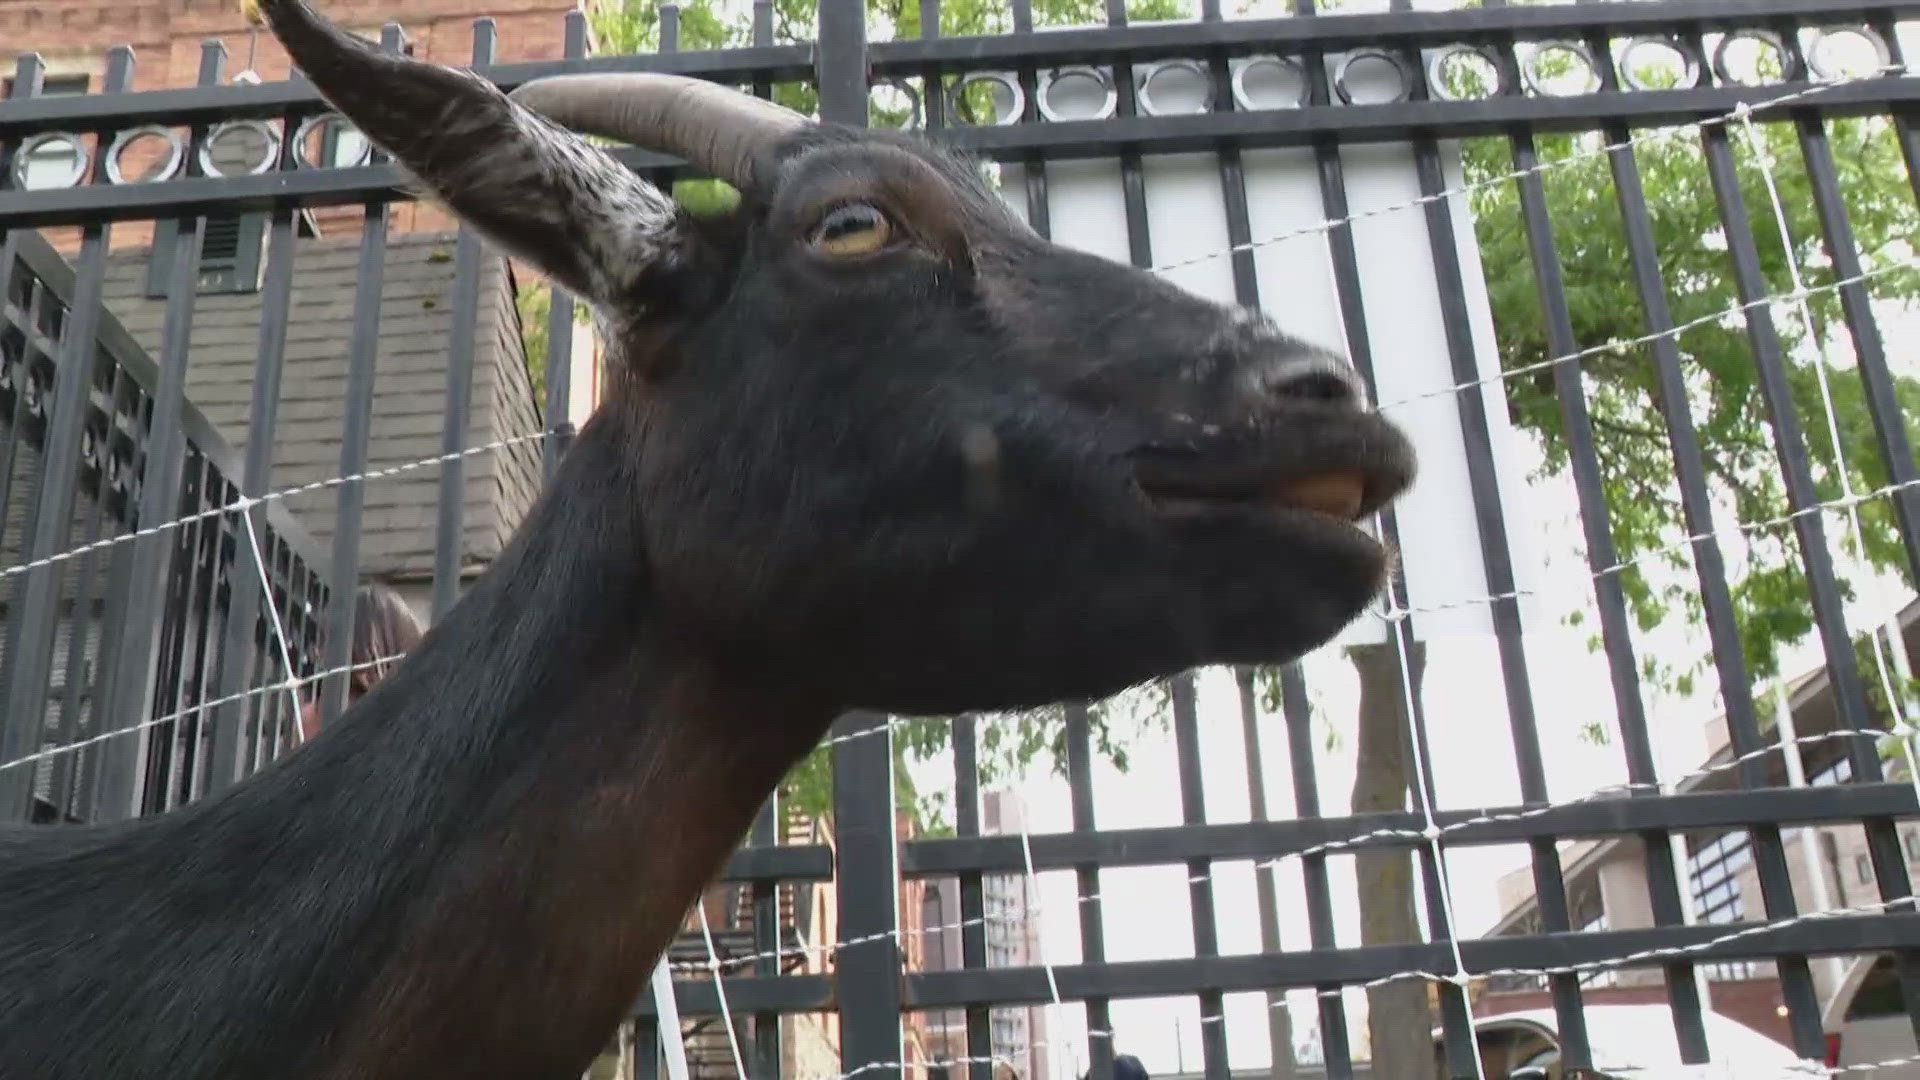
[1343,494]
[1345,487]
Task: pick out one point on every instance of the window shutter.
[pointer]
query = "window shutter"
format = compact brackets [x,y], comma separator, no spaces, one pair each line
[229,255]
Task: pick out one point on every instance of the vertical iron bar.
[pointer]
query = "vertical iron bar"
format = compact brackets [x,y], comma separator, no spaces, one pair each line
[202,558]
[1595,518]
[1213,1032]
[92,790]
[766,941]
[763,35]
[1776,887]
[1335,1049]
[973,906]
[1496,558]
[863,789]
[1246,291]
[1033,166]
[451,520]
[1889,418]
[933,96]
[866,875]
[75,721]
[1496,561]
[363,350]
[558,420]
[1459,1043]
[1796,467]
[1206,931]
[1093,930]
[29,76]
[263,412]
[1896,449]
[1279,1018]
[34,606]
[160,488]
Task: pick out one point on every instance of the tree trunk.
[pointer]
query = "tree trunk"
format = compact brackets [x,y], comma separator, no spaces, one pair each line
[1399,1020]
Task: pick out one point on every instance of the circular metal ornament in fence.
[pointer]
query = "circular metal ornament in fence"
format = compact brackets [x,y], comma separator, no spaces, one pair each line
[40,151]
[1372,77]
[240,148]
[1077,93]
[890,95]
[1637,77]
[318,127]
[1753,58]
[1560,69]
[1270,82]
[1175,88]
[999,89]
[1464,73]
[134,139]
[1848,52]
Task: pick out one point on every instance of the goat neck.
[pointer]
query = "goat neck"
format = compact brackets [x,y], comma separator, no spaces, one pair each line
[582,804]
[469,874]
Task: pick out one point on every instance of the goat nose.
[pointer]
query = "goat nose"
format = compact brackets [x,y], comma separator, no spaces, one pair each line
[1315,377]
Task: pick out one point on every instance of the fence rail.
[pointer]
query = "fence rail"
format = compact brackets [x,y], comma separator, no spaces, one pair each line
[166,627]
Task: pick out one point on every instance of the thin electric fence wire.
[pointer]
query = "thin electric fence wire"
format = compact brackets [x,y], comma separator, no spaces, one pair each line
[1764,155]
[389,471]
[1433,832]
[1395,615]
[1745,110]
[720,990]
[1040,940]
[273,614]
[247,502]
[1652,136]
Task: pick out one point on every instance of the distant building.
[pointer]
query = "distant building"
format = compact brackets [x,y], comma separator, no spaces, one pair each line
[1606,885]
[1010,928]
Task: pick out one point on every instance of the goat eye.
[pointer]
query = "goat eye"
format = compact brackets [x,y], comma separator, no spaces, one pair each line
[856,229]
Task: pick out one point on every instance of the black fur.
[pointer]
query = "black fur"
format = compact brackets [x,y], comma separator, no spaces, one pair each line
[970,471]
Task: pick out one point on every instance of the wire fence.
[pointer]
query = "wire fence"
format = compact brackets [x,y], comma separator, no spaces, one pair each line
[124,697]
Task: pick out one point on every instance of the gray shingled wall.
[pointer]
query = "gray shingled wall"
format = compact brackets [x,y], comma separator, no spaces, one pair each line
[409,391]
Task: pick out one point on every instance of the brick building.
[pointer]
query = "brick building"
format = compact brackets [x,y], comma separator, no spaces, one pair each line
[73,39]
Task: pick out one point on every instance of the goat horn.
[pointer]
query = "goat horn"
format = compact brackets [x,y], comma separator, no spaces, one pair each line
[714,127]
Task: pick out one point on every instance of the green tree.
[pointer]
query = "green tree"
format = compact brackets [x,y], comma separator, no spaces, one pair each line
[1636,463]
[1769,590]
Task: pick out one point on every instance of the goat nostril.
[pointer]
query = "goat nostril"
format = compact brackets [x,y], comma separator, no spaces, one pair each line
[1322,386]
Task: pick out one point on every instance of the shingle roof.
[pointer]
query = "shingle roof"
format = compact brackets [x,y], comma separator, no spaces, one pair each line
[398,527]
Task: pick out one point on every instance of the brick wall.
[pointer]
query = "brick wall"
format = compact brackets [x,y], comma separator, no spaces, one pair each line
[73,36]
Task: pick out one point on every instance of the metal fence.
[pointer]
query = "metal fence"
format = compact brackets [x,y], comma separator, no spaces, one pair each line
[150,655]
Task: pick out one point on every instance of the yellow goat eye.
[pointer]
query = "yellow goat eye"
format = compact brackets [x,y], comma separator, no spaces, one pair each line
[855,229]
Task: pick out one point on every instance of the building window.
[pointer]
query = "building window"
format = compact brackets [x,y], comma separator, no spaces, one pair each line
[1839,772]
[1863,869]
[1713,870]
[229,255]
[1913,845]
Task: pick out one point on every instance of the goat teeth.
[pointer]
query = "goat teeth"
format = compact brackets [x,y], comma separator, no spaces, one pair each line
[1337,494]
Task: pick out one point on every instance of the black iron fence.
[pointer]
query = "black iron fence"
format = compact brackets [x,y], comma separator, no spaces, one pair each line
[158,656]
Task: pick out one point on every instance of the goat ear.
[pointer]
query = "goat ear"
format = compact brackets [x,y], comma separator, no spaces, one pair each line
[538,191]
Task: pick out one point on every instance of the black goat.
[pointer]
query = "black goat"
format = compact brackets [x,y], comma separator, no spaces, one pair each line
[869,442]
